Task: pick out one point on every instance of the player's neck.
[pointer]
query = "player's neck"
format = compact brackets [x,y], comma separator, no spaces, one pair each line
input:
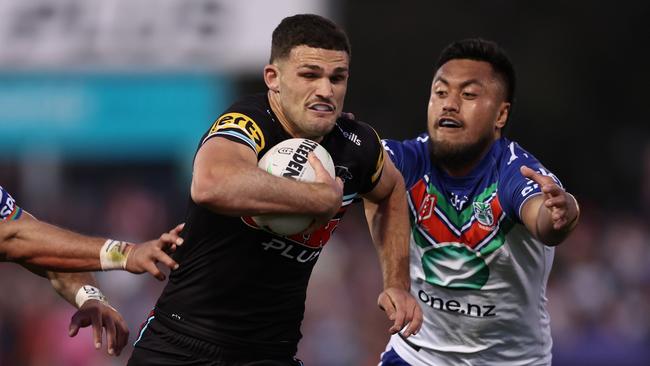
[457,171]
[463,167]
[277,110]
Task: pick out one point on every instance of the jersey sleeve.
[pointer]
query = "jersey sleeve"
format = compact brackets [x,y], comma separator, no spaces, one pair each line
[9,210]
[515,189]
[376,161]
[409,157]
[241,125]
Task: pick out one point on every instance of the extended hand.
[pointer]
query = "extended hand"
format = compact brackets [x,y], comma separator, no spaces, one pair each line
[143,257]
[101,315]
[563,208]
[402,308]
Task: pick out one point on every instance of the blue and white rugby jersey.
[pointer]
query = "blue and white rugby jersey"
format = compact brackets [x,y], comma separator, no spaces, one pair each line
[478,274]
[9,210]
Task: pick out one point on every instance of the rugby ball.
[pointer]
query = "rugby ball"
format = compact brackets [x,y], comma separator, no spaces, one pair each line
[289,159]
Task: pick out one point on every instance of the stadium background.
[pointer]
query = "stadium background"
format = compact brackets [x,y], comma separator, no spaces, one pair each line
[102,103]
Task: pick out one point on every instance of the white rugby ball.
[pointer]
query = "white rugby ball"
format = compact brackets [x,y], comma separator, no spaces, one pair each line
[289,159]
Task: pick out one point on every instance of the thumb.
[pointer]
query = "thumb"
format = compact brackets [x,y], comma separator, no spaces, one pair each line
[339,183]
[73,329]
[386,304]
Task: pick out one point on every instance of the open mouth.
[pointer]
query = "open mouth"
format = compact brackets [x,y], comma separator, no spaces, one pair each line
[321,107]
[449,123]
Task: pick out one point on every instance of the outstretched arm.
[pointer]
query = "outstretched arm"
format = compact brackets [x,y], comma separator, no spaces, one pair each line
[387,215]
[79,289]
[36,243]
[551,216]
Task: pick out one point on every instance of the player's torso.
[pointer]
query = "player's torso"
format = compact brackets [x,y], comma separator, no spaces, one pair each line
[475,271]
[241,279]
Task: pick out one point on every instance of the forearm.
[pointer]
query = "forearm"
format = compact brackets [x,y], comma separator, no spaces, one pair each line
[389,227]
[238,190]
[40,244]
[68,284]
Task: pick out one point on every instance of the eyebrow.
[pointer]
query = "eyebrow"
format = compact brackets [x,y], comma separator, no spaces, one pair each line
[318,68]
[463,84]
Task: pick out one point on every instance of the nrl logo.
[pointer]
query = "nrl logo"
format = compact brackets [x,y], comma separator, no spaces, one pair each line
[483,214]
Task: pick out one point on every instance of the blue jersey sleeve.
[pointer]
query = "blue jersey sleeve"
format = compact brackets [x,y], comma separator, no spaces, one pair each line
[411,157]
[514,189]
[9,210]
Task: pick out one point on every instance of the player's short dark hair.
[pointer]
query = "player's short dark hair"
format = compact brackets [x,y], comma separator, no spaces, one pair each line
[483,50]
[308,30]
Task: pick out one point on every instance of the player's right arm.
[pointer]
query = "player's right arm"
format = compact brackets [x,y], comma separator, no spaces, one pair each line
[227,180]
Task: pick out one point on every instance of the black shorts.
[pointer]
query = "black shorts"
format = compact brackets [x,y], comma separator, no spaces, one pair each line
[160,346]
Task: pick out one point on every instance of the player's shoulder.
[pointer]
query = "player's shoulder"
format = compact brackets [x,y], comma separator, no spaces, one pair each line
[254,108]
[353,136]
[354,130]
[418,145]
[509,154]
[247,119]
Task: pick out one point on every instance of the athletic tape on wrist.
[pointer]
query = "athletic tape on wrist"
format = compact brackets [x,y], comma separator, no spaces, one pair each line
[113,254]
[88,292]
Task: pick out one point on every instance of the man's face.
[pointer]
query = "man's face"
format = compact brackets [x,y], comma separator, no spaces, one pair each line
[467,110]
[310,87]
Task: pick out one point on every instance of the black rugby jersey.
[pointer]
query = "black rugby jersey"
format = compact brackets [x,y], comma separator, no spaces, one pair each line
[243,287]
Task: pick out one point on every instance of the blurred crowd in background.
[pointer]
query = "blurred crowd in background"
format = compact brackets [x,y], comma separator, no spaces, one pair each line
[111,155]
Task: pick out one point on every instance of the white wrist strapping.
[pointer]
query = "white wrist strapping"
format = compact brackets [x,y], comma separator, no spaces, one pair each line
[113,254]
[88,292]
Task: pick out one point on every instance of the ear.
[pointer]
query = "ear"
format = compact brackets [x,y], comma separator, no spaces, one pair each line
[272,77]
[502,117]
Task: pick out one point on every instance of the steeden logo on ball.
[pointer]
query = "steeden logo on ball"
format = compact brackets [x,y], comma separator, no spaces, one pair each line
[289,159]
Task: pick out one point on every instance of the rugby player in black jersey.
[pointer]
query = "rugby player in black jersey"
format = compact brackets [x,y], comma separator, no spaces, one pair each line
[48,250]
[238,297]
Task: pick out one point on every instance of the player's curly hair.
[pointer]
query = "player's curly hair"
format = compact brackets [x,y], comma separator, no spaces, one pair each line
[483,50]
[309,30]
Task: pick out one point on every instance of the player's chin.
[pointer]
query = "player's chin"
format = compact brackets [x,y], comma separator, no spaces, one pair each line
[322,126]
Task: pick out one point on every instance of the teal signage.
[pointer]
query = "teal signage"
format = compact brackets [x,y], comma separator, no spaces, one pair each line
[108,116]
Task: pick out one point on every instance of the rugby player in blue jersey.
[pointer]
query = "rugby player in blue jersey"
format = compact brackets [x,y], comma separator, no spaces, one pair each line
[48,250]
[485,215]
